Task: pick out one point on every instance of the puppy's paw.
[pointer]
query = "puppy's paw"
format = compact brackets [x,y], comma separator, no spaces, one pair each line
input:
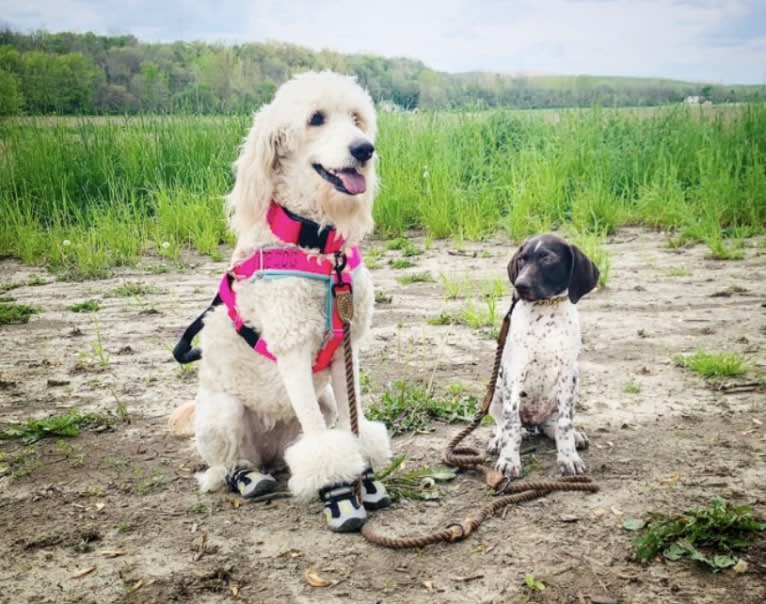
[508,467]
[581,440]
[494,445]
[571,465]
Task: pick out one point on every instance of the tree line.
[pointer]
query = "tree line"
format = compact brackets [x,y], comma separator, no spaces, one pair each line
[70,73]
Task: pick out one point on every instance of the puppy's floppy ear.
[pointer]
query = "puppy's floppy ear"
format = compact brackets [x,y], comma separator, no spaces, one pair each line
[253,189]
[583,276]
[513,265]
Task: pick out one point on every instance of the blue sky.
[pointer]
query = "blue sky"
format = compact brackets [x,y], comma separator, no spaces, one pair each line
[704,40]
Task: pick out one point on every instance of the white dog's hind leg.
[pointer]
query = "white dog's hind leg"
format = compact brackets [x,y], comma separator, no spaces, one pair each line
[219,422]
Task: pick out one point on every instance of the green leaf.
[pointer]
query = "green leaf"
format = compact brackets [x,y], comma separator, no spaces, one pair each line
[675,552]
[441,474]
[633,524]
[721,561]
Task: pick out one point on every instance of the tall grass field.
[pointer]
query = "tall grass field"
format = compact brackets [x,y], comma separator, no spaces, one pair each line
[84,195]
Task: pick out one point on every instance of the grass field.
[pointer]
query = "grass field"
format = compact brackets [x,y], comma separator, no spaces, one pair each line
[85,195]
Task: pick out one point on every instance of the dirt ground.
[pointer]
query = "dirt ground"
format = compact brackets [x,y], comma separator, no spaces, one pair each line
[114,515]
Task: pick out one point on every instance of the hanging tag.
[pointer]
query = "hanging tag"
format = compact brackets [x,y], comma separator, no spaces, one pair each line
[344,302]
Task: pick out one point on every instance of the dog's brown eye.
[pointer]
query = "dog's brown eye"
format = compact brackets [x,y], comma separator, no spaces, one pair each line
[357,119]
[317,119]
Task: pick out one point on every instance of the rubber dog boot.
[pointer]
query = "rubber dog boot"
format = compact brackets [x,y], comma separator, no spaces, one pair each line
[342,510]
[250,483]
[374,494]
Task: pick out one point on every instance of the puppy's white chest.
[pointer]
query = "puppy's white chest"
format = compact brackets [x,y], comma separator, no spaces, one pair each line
[542,346]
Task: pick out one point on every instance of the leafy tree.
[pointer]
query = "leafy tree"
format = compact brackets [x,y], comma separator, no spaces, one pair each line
[11,100]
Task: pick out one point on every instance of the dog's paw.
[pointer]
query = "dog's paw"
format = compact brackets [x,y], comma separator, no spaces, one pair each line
[571,465]
[581,440]
[508,467]
[494,445]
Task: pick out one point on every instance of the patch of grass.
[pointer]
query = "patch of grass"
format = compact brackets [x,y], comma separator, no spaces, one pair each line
[631,388]
[36,280]
[150,485]
[132,289]
[400,263]
[382,297]
[16,313]
[708,535]
[86,306]
[20,464]
[714,364]
[419,483]
[677,271]
[415,278]
[443,318]
[405,246]
[479,318]
[407,407]
[8,286]
[125,527]
[372,257]
[66,424]
[533,584]
[453,288]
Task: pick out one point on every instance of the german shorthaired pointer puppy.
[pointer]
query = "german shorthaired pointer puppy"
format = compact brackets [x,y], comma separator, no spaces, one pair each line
[538,379]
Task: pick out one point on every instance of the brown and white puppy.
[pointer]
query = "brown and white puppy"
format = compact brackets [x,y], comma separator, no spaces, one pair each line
[538,380]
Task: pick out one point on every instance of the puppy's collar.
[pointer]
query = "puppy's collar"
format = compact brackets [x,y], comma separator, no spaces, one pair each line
[303,232]
[550,301]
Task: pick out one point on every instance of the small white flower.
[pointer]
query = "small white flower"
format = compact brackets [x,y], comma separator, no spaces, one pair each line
[66,243]
[165,245]
[425,172]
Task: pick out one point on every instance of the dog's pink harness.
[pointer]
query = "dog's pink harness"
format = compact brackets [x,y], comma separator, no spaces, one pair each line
[271,262]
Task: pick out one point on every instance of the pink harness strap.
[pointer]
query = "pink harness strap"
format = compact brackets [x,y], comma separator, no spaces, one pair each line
[291,261]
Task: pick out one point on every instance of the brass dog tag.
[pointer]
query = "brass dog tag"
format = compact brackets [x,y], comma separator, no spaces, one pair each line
[345,303]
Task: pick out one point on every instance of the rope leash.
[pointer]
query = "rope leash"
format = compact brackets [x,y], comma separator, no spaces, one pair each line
[469,458]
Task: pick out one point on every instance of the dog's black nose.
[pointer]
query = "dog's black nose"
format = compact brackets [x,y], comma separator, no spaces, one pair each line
[522,288]
[362,150]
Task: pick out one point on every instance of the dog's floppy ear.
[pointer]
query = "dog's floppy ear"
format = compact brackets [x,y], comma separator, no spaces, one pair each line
[248,201]
[583,276]
[513,265]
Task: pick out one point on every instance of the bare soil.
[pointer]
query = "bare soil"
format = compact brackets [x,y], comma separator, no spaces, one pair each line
[114,515]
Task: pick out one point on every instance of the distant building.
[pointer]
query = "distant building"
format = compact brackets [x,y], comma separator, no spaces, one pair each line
[693,100]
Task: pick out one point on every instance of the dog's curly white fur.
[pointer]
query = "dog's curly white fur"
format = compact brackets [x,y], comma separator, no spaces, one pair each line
[253,412]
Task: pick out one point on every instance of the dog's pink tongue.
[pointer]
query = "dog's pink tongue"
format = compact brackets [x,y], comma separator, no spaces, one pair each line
[353,182]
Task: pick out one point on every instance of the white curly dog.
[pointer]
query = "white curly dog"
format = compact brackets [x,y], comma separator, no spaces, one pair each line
[310,152]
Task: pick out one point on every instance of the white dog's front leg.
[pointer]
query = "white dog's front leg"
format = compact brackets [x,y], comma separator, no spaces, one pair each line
[373,436]
[320,457]
[295,369]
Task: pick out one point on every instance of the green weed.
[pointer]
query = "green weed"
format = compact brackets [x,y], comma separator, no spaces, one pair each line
[382,297]
[709,535]
[419,484]
[399,263]
[415,278]
[714,364]
[86,306]
[66,424]
[16,313]
[131,290]
[408,407]
[631,388]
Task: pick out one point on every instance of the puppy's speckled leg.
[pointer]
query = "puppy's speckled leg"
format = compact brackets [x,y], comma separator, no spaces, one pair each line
[509,435]
[566,393]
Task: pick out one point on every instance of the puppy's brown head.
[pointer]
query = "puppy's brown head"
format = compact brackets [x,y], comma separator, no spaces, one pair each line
[546,266]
